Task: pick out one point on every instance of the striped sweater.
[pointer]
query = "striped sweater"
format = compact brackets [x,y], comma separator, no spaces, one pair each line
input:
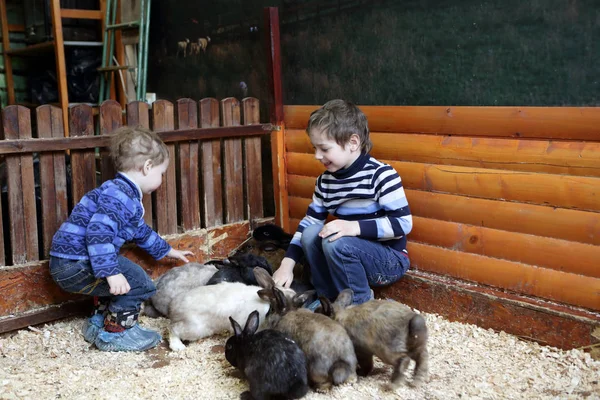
[369,192]
[103,220]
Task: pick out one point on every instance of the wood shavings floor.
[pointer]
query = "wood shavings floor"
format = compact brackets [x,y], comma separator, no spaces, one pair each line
[54,362]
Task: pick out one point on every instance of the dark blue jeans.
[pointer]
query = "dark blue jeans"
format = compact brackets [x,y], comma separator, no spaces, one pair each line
[350,262]
[77,276]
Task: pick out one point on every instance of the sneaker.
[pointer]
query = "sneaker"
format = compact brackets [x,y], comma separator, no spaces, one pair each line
[314,305]
[91,327]
[135,338]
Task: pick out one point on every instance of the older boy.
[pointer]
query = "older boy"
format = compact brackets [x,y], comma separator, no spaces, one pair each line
[366,243]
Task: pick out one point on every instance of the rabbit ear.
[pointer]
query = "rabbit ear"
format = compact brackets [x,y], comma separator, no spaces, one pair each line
[266,295]
[280,299]
[344,299]
[327,307]
[263,278]
[251,323]
[301,298]
[237,329]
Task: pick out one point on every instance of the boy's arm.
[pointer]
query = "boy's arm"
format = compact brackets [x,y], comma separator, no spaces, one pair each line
[315,214]
[150,241]
[397,221]
[111,216]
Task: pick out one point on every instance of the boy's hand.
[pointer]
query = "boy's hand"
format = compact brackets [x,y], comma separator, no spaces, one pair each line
[339,228]
[118,284]
[285,273]
[174,253]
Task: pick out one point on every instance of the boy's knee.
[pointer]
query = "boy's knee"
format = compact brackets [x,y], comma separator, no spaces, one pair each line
[310,234]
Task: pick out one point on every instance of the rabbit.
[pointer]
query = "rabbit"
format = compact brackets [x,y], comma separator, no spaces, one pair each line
[385,328]
[329,351]
[273,235]
[238,268]
[205,310]
[273,363]
[175,281]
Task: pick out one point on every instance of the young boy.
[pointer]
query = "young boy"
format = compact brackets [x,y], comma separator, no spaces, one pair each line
[366,244]
[84,257]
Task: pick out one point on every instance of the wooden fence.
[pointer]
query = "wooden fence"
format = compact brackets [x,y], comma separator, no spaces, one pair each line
[502,197]
[214,179]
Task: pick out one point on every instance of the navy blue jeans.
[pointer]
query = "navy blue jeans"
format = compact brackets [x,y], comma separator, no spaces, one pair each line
[350,262]
[77,276]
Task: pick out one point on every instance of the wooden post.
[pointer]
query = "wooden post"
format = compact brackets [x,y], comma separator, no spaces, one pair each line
[273,51]
[10,86]
[61,66]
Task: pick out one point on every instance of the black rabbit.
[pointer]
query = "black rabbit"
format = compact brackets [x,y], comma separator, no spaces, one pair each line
[238,268]
[273,363]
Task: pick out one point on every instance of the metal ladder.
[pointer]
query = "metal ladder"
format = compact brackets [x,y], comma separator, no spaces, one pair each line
[108,63]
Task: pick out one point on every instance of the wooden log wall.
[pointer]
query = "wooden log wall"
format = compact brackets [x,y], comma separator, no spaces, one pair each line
[188,207]
[506,198]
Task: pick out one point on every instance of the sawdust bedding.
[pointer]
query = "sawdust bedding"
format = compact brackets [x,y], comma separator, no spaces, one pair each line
[53,361]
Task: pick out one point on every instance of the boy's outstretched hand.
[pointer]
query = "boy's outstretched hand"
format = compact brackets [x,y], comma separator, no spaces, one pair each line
[339,228]
[118,284]
[174,253]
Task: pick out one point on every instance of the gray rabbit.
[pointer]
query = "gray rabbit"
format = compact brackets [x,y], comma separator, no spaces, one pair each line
[388,329]
[329,351]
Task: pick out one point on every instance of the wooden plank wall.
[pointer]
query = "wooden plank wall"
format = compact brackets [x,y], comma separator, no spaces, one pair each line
[504,197]
[187,203]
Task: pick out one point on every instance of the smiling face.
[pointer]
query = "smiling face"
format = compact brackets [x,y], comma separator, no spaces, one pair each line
[333,156]
[151,178]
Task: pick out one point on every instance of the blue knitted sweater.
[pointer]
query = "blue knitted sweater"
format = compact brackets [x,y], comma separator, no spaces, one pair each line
[103,220]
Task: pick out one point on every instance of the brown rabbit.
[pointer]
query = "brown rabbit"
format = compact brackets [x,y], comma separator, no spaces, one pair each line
[329,351]
[387,329]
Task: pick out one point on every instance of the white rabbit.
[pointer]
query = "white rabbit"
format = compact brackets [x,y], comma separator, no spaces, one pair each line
[205,310]
[174,282]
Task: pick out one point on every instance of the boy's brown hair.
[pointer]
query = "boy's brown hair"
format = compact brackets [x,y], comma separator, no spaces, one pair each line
[131,147]
[339,120]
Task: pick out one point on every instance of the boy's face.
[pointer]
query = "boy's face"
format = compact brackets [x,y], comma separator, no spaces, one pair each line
[333,156]
[152,178]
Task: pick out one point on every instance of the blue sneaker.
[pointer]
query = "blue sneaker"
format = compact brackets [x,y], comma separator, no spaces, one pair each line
[314,305]
[91,327]
[135,338]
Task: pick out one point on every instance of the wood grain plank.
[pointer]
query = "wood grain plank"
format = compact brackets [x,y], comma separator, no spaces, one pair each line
[569,123]
[233,164]
[83,162]
[558,223]
[166,194]
[138,115]
[111,118]
[212,173]
[577,290]
[576,192]
[53,175]
[253,161]
[16,121]
[558,254]
[189,178]
[548,156]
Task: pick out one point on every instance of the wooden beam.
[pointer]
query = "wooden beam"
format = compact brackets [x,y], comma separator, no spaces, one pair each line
[273,51]
[81,14]
[77,143]
[570,123]
[526,187]
[559,223]
[10,84]
[547,323]
[70,309]
[61,66]
[547,156]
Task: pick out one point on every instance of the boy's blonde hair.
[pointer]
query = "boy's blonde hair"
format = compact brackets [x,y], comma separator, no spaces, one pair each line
[131,147]
[340,119]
